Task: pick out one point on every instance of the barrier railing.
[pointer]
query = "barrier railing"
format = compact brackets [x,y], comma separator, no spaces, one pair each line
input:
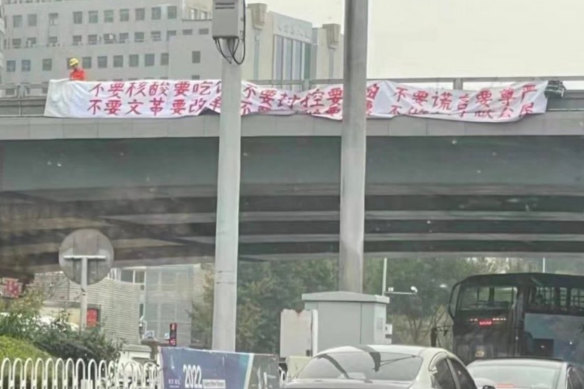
[70,374]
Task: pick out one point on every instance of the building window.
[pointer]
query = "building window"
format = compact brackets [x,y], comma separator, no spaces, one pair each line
[10,66]
[86,62]
[108,16]
[171,11]
[16,21]
[32,20]
[77,40]
[53,40]
[148,59]
[77,17]
[188,32]
[140,14]
[164,59]
[30,42]
[156,13]
[278,57]
[203,31]
[156,36]
[127,276]
[102,62]
[47,64]
[134,60]
[16,43]
[53,19]
[139,37]
[92,39]
[109,38]
[196,56]
[26,65]
[170,34]
[124,37]
[93,17]
[118,61]
[195,77]
[124,15]
[139,277]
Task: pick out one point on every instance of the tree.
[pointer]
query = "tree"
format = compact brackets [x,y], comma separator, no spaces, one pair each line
[264,290]
[22,321]
[414,316]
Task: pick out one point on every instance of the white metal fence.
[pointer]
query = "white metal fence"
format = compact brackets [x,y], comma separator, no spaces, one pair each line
[70,374]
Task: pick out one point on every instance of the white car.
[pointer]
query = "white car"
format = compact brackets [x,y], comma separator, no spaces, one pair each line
[383,366]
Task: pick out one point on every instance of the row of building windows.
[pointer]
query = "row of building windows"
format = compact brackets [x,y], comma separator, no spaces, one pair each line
[124,15]
[93,16]
[94,39]
[102,62]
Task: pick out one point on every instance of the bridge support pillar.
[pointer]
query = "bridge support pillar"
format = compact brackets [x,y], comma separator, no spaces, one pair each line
[353,147]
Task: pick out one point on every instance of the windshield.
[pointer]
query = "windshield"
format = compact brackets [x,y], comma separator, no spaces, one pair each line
[487,298]
[363,365]
[514,376]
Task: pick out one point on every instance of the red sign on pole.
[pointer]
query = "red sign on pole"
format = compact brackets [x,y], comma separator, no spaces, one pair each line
[92,317]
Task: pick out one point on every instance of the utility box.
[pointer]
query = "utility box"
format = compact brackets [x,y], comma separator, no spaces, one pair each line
[348,319]
[228,16]
[297,333]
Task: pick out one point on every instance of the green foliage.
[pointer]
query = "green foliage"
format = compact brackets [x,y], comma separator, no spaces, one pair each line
[414,316]
[15,348]
[21,321]
[264,290]
[60,340]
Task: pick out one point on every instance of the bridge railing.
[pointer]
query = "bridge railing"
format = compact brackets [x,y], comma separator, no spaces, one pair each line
[29,99]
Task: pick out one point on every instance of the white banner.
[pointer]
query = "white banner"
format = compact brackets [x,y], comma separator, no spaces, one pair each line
[385,99]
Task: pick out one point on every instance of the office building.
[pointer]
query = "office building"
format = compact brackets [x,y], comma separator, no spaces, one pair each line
[155,39]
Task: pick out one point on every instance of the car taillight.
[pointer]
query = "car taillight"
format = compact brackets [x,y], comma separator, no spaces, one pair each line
[485,323]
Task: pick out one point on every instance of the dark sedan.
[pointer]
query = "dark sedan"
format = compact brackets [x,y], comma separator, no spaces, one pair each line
[385,366]
[509,373]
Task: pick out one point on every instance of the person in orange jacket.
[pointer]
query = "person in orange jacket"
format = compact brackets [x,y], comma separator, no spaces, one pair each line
[77,73]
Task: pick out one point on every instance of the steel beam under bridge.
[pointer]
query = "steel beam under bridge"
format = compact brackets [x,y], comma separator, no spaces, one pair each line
[155,198]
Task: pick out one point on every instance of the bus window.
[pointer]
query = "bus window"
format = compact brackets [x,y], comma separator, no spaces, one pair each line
[487,297]
[577,301]
[549,299]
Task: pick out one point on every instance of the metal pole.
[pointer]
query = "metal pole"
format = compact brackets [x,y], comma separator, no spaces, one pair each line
[83,300]
[226,240]
[353,147]
[384,280]
[543,265]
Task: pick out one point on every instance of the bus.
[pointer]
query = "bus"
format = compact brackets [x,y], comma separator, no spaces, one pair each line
[518,315]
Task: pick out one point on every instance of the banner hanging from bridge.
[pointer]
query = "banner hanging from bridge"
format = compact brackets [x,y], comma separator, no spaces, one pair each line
[184,368]
[385,99]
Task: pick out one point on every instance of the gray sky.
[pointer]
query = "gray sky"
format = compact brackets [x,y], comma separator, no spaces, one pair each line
[431,38]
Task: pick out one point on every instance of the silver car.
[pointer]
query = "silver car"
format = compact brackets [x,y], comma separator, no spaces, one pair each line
[384,366]
[525,373]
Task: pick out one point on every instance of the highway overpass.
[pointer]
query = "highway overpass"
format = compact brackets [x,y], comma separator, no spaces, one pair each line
[434,188]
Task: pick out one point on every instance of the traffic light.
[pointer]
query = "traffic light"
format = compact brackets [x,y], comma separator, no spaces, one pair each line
[172,337]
